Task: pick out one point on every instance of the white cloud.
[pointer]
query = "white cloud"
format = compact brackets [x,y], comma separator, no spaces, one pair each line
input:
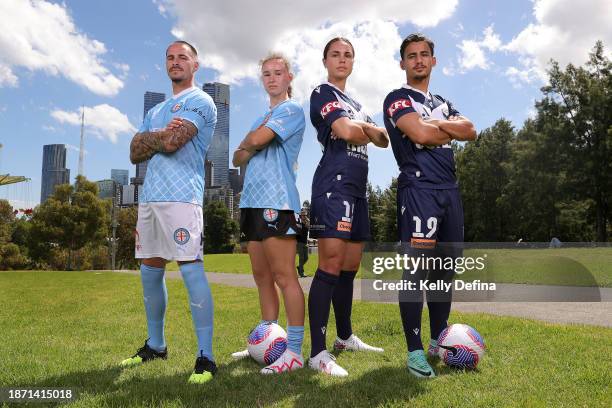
[39,35]
[7,77]
[103,121]
[474,53]
[232,36]
[75,148]
[565,31]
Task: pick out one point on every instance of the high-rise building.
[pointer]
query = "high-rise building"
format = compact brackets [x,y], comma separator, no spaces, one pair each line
[235,180]
[209,172]
[121,177]
[150,100]
[54,171]
[223,194]
[218,152]
[107,189]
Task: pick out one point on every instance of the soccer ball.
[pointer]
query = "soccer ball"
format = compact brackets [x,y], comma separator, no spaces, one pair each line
[267,342]
[460,346]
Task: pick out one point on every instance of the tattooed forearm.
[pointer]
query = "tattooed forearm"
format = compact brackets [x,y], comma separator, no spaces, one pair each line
[145,144]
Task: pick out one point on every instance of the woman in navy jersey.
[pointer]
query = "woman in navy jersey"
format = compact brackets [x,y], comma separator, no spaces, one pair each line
[339,209]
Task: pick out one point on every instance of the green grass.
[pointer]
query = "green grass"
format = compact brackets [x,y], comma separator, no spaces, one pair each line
[69,329]
[565,266]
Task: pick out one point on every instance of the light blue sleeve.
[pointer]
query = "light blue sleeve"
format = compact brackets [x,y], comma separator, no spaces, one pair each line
[286,121]
[199,111]
[146,123]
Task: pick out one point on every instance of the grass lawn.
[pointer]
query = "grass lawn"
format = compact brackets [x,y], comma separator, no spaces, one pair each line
[565,266]
[70,329]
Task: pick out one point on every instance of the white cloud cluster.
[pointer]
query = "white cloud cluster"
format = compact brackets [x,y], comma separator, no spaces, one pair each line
[474,53]
[233,36]
[40,35]
[103,121]
[564,31]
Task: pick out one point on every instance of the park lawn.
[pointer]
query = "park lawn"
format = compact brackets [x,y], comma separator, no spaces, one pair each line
[564,266]
[70,329]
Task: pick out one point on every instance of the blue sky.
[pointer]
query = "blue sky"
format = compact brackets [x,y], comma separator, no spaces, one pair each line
[56,57]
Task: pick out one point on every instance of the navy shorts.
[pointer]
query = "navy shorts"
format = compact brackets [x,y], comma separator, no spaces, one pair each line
[257,224]
[335,215]
[429,218]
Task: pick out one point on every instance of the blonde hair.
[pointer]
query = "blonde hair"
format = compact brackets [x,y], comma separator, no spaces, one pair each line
[278,56]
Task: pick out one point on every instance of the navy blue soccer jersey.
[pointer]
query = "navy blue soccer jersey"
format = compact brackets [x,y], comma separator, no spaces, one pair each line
[420,166]
[344,166]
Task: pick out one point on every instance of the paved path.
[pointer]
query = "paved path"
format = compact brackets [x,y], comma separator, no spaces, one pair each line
[596,313]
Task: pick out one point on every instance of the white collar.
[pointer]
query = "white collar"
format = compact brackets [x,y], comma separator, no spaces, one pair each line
[427,94]
[335,87]
[271,108]
[184,91]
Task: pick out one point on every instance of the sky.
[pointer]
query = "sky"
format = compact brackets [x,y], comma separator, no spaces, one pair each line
[56,57]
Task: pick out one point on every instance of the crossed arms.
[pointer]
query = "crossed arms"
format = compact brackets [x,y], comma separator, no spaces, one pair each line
[176,134]
[436,132]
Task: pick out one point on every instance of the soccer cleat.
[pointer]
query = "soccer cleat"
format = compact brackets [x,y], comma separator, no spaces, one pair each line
[144,354]
[432,350]
[354,343]
[204,370]
[325,362]
[239,355]
[288,361]
[418,365]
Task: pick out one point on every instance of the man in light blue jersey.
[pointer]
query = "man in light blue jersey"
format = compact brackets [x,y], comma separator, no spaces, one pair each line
[174,138]
[270,207]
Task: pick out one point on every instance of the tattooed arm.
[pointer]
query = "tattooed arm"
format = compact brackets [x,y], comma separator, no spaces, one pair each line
[145,144]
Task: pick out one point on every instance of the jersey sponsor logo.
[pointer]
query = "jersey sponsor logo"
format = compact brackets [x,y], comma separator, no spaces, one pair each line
[330,107]
[344,226]
[176,107]
[397,105]
[422,243]
[181,236]
[270,214]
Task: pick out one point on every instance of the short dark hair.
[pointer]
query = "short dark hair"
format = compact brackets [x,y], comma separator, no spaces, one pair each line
[416,37]
[191,47]
[336,39]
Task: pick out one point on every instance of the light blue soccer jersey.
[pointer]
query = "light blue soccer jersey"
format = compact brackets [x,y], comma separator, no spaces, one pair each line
[179,176]
[270,175]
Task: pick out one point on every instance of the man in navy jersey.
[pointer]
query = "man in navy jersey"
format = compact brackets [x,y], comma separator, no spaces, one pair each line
[421,126]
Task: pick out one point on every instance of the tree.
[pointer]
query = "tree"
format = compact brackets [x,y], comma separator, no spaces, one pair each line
[126,227]
[71,218]
[219,229]
[483,172]
[580,98]
[10,254]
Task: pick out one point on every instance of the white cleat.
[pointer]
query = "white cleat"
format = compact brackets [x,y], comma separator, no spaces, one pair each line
[288,361]
[326,363]
[239,355]
[354,343]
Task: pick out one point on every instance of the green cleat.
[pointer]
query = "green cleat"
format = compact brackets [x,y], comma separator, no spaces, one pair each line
[144,354]
[204,370]
[418,365]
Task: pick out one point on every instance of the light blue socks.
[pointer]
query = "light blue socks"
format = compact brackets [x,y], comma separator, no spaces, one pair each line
[155,300]
[201,302]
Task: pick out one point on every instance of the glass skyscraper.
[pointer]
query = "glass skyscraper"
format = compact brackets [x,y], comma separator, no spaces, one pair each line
[218,153]
[54,171]
[121,177]
[150,100]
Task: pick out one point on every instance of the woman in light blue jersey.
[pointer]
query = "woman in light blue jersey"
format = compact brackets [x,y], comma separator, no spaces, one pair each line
[270,206]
